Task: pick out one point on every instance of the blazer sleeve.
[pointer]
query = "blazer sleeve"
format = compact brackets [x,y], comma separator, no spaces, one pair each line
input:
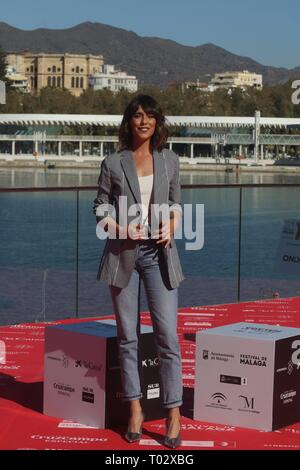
[175,188]
[104,196]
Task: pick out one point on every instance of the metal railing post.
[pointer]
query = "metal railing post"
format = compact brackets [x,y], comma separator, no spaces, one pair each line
[240,246]
[77,253]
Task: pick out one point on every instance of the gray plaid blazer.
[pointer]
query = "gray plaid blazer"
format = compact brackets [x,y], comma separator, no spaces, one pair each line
[118,177]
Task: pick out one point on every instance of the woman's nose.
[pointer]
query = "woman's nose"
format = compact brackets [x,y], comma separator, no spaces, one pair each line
[144,118]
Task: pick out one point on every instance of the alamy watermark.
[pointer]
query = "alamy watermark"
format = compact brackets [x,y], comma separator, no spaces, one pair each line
[296,94]
[190,226]
[2,353]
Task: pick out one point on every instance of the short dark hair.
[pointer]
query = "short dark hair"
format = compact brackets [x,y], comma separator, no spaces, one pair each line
[149,106]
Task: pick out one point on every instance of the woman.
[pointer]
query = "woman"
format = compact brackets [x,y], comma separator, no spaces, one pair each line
[141,245]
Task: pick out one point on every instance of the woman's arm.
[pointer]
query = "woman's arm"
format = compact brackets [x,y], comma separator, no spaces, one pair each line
[104,199]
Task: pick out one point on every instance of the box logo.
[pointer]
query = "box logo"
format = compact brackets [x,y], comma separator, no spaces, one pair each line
[219,398]
[205,354]
[251,360]
[63,389]
[296,354]
[230,379]
[88,397]
[65,362]
[288,397]
[150,362]
[248,405]
[88,365]
[153,391]
[248,402]
[2,353]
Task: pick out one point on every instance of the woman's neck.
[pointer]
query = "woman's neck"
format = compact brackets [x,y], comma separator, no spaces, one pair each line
[142,148]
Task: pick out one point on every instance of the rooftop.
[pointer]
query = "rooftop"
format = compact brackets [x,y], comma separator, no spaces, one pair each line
[115,120]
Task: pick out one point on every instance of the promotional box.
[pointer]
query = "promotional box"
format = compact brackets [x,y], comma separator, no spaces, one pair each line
[82,379]
[248,375]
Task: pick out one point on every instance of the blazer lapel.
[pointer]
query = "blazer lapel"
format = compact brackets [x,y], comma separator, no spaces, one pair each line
[160,178]
[129,169]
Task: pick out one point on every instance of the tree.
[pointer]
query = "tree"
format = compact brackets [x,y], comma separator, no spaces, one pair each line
[55,100]
[272,100]
[3,65]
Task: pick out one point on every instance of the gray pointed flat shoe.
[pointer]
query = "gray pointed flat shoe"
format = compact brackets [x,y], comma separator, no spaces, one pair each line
[172,442]
[134,436]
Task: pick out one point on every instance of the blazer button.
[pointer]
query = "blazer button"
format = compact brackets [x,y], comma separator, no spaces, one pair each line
[138,213]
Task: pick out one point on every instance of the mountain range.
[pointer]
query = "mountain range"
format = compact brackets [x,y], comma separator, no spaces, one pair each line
[153,60]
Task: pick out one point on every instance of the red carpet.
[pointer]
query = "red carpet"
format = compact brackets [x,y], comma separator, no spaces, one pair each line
[23,425]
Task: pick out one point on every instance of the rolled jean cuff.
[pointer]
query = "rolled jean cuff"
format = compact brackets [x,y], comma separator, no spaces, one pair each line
[174,404]
[136,397]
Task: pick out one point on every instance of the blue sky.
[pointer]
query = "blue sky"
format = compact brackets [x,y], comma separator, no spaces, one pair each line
[266,30]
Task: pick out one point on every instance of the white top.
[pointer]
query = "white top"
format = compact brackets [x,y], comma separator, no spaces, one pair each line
[146,184]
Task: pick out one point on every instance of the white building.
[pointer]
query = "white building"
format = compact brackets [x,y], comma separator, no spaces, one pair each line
[199,86]
[196,85]
[114,80]
[242,80]
[17,80]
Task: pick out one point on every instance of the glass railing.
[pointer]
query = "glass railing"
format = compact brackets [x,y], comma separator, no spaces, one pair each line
[49,252]
[263,215]
[38,255]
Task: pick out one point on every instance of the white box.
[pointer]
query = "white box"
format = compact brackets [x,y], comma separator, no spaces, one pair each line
[248,375]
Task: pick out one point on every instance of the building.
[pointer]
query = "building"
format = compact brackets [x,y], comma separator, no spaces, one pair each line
[242,80]
[31,136]
[68,71]
[114,80]
[16,80]
[199,86]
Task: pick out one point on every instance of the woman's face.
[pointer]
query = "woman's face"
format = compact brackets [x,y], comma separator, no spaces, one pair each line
[142,125]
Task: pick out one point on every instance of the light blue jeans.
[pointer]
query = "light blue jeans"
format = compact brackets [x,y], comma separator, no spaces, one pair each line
[162,302]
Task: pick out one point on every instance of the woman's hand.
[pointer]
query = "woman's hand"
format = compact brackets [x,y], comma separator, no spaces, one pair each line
[136,231]
[164,233]
[123,232]
[167,229]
